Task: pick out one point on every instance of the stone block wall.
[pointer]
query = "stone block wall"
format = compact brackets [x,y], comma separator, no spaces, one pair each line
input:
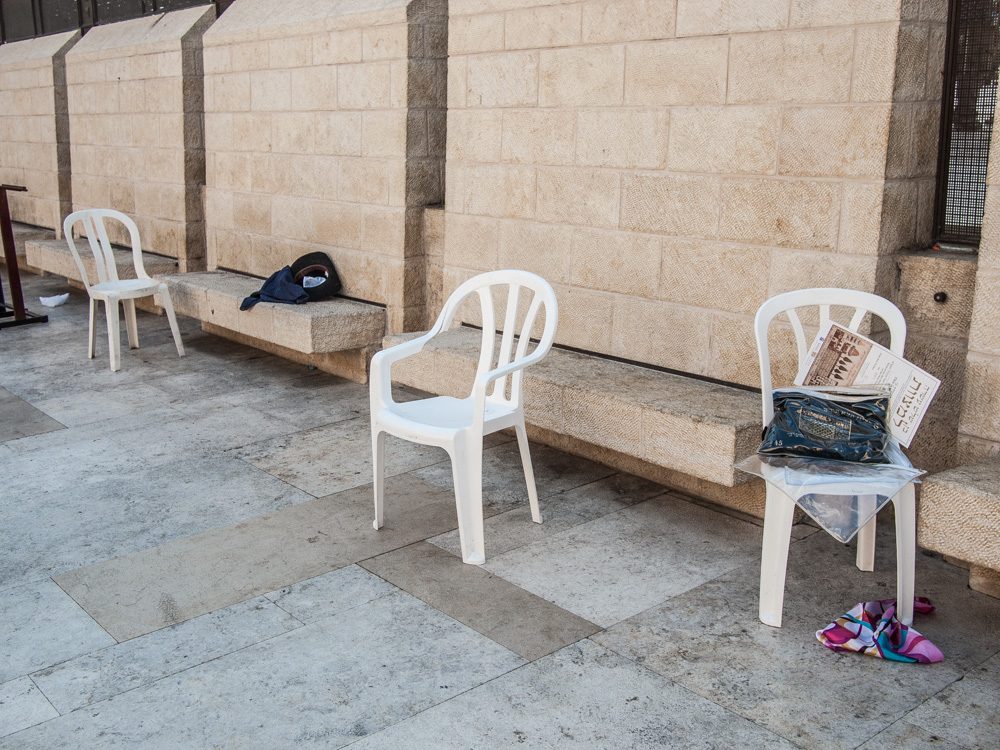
[34,128]
[979,428]
[325,130]
[136,126]
[670,164]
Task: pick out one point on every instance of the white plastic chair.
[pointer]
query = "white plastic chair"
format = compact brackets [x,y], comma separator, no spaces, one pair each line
[459,425]
[780,507]
[111,290]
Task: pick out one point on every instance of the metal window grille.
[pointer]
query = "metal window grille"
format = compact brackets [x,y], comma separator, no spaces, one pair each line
[24,19]
[970,97]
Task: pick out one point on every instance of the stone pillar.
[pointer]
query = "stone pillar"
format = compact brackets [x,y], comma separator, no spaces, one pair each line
[34,128]
[979,428]
[136,124]
[325,131]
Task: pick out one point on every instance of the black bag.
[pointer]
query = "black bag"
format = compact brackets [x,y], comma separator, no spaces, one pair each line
[317,264]
[844,424]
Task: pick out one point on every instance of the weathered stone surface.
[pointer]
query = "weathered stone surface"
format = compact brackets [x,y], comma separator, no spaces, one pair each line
[53,256]
[666,414]
[316,327]
[960,514]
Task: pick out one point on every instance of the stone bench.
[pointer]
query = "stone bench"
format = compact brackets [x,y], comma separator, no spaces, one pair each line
[960,517]
[23,233]
[678,430]
[336,335]
[53,257]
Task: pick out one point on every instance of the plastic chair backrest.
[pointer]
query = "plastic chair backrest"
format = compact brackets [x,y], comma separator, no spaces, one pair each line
[97,236]
[543,298]
[790,302]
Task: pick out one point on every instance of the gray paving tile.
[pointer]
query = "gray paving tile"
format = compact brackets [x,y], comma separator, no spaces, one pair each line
[20,419]
[335,457]
[95,507]
[580,697]
[904,736]
[503,478]
[526,624]
[612,568]
[709,640]
[561,511]
[139,593]
[967,712]
[323,685]
[42,626]
[101,674]
[330,593]
[22,705]
[86,407]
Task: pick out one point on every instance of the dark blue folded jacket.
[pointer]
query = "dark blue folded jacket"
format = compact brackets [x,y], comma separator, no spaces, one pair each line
[281,287]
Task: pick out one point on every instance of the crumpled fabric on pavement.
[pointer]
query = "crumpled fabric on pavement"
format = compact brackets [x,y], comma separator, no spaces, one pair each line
[872,628]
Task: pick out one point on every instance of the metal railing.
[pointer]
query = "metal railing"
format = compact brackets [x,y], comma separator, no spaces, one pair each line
[25,19]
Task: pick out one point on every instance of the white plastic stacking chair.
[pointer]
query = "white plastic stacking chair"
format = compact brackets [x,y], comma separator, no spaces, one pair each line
[780,507]
[111,290]
[459,425]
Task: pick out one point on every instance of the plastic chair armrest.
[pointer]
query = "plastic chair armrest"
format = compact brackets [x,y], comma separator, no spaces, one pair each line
[382,362]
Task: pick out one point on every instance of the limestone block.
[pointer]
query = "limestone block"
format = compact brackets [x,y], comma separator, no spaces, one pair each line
[834,141]
[924,274]
[861,225]
[984,336]
[670,204]
[724,139]
[471,241]
[673,72]
[740,285]
[585,318]
[984,580]
[960,514]
[615,262]
[627,20]
[705,17]
[630,139]
[842,12]
[316,327]
[544,27]
[544,249]
[792,270]
[981,402]
[791,66]
[508,79]
[500,190]
[53,256]
[578,196]
[733,355]
[661,334]
[780,212]
[474,135]
[482,33]
[538,136]
[583,76]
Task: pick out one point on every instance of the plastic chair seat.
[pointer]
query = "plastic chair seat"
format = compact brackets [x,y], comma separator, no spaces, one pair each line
[126,288]
[444,415]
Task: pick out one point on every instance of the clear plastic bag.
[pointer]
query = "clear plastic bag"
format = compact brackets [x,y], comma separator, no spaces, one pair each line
[841,496]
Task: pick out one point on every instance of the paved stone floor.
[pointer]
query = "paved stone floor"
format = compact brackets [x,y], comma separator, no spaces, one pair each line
[187,561]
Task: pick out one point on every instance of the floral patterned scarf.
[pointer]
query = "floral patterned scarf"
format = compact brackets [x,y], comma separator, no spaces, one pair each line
[872,628]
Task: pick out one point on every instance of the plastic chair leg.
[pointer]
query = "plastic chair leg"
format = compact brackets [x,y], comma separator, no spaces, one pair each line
[92,335]
[467,472]
[778,515]
[378,470]
[130,324]
[168,307]
[865,557]
[114,334]
[529,472]
[906,552]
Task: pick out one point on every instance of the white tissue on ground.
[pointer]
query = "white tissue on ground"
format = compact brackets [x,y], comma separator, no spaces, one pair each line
[308,282]
[59,299]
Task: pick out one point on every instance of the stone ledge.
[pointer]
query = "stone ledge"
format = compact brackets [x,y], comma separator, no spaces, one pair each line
[53,256]
[686,425]
[335,325]
[960,514]
[24,233]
